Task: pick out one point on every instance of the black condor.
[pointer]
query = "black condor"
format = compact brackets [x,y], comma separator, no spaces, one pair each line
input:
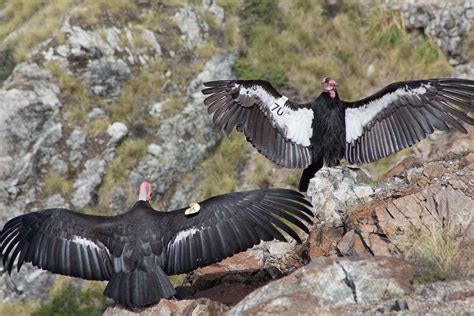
[136,250]
[324,131]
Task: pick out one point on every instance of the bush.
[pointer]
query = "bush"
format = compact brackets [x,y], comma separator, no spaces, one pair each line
[72,301]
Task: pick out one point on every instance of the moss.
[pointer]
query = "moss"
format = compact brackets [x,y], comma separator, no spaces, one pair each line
[55,183]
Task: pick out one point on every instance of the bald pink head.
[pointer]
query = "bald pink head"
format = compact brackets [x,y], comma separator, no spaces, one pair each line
[145,191]
[329,86]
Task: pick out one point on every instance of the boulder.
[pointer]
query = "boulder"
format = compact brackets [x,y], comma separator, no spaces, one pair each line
[329,284]
[202,306]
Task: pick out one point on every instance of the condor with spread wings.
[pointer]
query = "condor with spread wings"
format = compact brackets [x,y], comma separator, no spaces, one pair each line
[135,250]
[328,129]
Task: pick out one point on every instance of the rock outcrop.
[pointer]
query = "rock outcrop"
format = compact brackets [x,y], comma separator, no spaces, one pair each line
[359,219]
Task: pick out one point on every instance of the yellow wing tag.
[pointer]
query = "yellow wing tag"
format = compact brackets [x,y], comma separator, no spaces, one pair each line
[193,209]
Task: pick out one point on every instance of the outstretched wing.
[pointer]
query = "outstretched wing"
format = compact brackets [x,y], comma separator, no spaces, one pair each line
[403,113]
[57,240]
[231,223]
[278,128]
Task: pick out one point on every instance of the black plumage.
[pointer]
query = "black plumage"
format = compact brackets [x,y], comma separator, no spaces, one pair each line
[326,130]
[136,250]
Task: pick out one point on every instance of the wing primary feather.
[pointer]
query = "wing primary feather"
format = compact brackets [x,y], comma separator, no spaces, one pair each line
[404,142]
[288,208]
[286,216]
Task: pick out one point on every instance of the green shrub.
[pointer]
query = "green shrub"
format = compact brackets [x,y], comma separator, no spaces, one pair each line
[263,12]
[72,301]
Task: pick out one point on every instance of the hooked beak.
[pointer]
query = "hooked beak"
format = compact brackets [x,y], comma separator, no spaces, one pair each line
[145,192]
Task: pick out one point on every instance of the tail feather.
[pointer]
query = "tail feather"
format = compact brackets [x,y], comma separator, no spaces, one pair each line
[139,288]
[308,174]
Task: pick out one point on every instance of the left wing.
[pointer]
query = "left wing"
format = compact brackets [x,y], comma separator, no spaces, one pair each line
[403,113]
[278,128]
[231,223]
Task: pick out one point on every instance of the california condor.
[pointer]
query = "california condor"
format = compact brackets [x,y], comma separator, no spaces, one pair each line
[136,250]
[324,131]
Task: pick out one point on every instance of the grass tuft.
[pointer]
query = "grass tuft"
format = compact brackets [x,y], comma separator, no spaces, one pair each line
[438,251]
[55,183]
[387,28]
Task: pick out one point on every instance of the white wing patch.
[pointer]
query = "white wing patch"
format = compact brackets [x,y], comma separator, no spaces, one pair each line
[294,125]
[357,118]
[183,234]
[85,242]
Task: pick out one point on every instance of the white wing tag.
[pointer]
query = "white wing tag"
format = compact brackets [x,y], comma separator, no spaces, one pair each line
[193,209]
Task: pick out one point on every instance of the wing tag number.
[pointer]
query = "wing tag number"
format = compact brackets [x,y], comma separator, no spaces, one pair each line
[279,109]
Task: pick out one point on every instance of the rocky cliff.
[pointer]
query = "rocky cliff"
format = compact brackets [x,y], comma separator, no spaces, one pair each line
[401,245]
[96,97]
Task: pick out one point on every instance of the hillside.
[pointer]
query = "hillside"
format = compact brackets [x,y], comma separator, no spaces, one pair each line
[96,97]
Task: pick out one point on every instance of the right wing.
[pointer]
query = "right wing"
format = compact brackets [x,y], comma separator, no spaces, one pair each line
[278,128]
[57,240]
[230,223]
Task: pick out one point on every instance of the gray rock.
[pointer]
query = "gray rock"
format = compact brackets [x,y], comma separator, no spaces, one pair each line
[20,286]
[156,109]
[201,306]
[105,75]
[95,113]
[76,143]
[117,131]
[87,182]
[29,103]
[56,201]
[332,190]
[447,23]
[150,38]
[334,283]
[191,26]
[215,9]
[155,150]
[84,43]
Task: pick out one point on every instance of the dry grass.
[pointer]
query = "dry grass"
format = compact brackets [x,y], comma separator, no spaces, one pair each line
[55,183]
[19,309]
[441,251]
[309,46]
[78,101]
[33,20]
